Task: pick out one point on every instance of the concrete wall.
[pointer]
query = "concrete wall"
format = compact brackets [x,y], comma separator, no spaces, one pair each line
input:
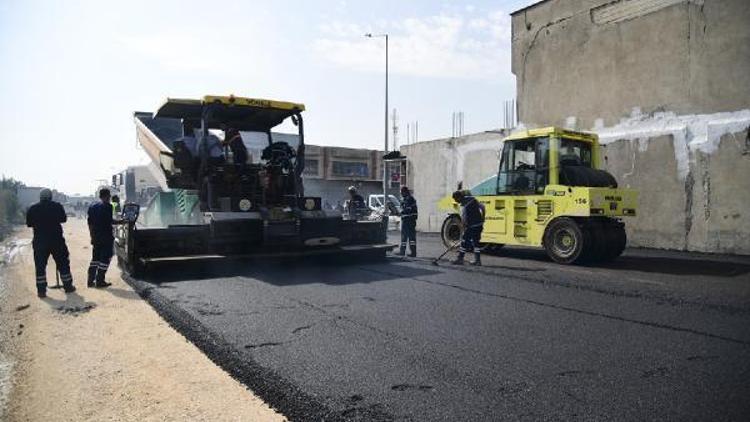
[599,59]
[692,173]
[693,176]
[435,168]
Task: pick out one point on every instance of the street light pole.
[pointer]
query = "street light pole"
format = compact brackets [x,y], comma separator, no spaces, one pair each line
[385,150]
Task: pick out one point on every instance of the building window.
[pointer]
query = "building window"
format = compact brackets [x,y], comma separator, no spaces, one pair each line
[311,167]
[350,169]
[394,175]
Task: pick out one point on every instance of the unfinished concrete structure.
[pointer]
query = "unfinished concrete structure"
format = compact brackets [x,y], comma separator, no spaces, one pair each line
[435,168]
[666,84]
[598,59]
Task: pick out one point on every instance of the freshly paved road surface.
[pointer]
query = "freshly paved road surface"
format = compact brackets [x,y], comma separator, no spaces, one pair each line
[652,336]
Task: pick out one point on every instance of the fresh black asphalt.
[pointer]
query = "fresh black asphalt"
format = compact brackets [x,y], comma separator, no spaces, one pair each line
[656,335]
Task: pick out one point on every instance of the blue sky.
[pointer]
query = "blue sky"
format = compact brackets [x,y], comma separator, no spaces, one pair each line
[73,72]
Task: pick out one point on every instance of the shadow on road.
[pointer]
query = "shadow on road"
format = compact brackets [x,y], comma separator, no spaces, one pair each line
[281,273]
[674,265]
[678,266]
[74,304]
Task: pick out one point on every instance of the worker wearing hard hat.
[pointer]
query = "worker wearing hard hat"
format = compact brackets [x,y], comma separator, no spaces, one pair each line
[46,218]
[100,221]
[408,222]
[472,217]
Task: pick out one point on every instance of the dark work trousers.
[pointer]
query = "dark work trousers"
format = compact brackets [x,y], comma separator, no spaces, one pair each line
[470,239]
[409,235]
[59,251]
[101,254]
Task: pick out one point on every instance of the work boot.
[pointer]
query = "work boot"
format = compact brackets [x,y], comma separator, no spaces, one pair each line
[459,259]
[413,253]
[102,284]
[69,289]
[41,293]
[92,276]
[477,260]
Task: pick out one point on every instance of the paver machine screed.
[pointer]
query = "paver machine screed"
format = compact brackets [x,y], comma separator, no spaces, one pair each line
[213,205]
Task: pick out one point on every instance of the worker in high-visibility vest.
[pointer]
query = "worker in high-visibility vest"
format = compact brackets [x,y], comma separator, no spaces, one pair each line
[115,206]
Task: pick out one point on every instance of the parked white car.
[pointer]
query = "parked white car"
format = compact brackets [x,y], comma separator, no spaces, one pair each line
[375,203]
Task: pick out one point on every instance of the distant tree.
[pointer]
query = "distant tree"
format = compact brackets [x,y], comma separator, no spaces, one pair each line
[10,210]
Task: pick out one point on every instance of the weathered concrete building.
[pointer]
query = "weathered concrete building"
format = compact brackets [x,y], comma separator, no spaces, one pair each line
[593,61]
[666,84]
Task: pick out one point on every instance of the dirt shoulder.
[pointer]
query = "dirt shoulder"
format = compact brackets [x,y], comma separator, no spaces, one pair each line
[106,354]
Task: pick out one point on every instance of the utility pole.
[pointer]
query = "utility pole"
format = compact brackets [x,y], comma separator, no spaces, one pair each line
[385,167]
[395,130]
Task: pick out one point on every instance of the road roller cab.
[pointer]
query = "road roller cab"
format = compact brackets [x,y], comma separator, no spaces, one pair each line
[550,192]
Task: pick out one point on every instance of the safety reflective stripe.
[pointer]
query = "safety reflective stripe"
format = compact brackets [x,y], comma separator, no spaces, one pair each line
[41,278]
[94,264]
[412,242]
[409,215]
[66,277]
[476,225]
[103,266]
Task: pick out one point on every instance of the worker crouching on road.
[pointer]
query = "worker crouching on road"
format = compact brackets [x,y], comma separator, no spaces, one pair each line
[102,239]
[472,217]
[408,223]
[46,218]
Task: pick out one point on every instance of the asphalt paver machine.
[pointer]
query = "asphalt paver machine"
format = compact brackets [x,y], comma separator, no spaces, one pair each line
[214,205]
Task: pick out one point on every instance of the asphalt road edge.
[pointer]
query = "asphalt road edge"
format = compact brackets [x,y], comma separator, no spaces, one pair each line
[276,391]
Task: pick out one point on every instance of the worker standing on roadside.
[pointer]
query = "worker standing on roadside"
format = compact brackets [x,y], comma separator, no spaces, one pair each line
[102,239]
[46,218]
[472,217]
[408,223]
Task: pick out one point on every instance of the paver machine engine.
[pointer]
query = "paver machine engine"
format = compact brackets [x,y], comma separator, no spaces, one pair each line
[215,205]
[550,192]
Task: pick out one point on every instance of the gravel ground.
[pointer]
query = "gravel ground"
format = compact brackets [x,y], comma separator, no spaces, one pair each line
[106,355]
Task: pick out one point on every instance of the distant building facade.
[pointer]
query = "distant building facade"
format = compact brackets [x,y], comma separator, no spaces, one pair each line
[329,171]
